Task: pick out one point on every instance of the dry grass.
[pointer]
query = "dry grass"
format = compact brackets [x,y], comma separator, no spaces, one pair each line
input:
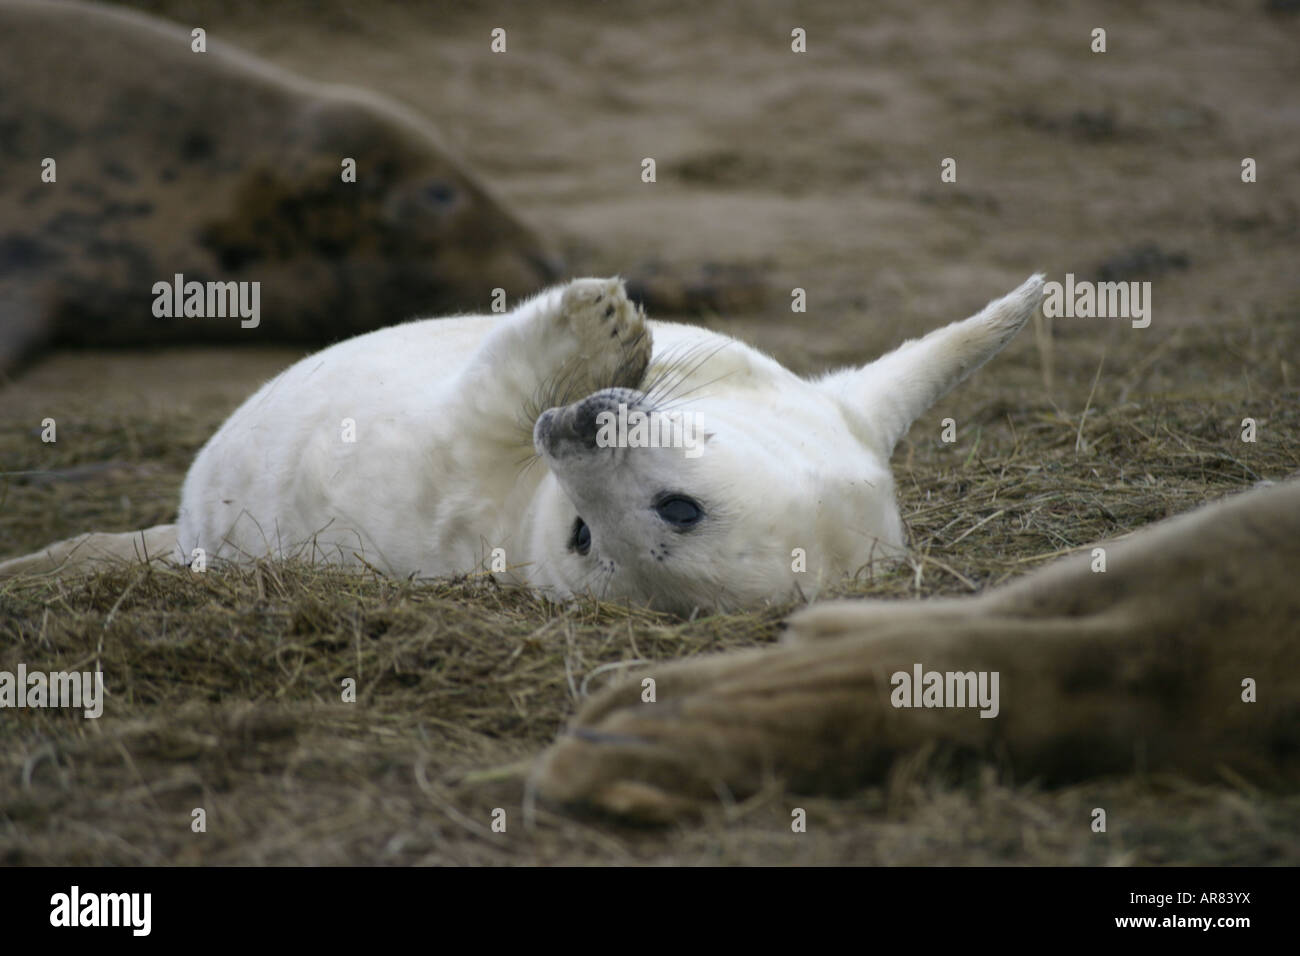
[224,688]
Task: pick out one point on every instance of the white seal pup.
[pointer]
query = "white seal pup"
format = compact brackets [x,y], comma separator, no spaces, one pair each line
[486,443]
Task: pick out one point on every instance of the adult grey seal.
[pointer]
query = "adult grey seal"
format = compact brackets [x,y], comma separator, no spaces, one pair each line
[219,167]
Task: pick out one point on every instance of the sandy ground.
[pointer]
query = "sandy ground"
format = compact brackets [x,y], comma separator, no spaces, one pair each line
[779,170]
[822,169]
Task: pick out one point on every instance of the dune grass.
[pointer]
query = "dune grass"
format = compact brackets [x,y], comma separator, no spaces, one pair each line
[225,689]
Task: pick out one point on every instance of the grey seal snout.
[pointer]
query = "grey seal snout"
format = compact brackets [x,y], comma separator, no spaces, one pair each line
[574,428]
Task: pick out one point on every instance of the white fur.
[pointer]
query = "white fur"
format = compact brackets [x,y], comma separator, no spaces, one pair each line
[441,471]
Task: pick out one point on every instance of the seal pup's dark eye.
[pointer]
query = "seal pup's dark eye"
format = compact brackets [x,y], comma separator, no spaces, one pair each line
[580,537]
[679,511]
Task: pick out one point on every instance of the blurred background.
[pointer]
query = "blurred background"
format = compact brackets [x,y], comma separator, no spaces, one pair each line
[821,169]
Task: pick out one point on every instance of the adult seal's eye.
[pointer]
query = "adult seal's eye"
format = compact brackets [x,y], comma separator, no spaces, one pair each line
[439,194]
[679,511]
[580,538]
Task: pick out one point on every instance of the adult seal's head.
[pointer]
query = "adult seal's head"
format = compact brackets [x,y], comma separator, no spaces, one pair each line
[219,167]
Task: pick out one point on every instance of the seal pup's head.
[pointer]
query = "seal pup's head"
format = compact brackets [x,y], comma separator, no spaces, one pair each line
[727,480]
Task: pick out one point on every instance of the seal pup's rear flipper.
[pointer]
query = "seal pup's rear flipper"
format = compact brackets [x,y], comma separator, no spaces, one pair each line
[89,552]
[886,396]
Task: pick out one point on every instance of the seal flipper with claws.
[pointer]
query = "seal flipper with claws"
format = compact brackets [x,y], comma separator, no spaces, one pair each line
[1138,668]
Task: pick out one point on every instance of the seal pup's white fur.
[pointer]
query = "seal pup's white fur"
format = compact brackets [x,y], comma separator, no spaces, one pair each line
[443,470]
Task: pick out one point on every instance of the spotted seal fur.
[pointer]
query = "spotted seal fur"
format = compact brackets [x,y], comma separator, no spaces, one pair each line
[219,166]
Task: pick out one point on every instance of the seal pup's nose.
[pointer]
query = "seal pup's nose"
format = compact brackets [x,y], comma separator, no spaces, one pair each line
[577,426]
[571,425]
